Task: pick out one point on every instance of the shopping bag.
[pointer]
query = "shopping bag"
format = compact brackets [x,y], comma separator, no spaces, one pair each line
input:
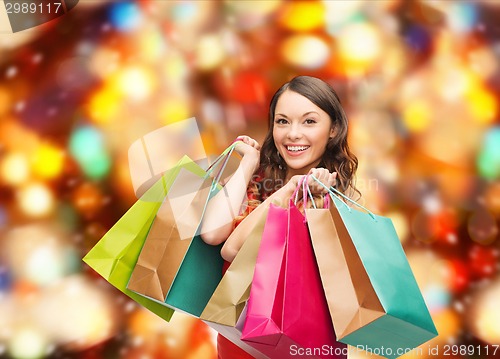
[287,310]
[233,333]
[116,254]
[374,300]
[175,266]
[229,298]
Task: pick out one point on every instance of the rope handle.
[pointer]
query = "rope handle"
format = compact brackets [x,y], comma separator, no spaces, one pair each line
[225,155]
[333,192]
[306,193]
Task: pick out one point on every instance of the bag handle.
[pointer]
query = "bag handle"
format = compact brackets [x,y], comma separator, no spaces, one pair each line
[225,155]
[332,191]
[302,183]
[306,193]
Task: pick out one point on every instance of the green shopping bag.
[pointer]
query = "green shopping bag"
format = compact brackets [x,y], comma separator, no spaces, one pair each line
[373,297]
[115,255]
[175,266]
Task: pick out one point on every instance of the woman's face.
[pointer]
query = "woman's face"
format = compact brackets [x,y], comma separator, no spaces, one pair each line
[301,131]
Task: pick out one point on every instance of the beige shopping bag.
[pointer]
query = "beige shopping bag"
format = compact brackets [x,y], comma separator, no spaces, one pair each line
[227,302]
[351,305]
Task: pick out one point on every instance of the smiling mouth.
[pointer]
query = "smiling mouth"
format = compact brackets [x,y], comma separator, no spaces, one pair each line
[297,148]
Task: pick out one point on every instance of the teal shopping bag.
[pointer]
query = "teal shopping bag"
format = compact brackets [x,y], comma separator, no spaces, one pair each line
[175,267]
[373,297]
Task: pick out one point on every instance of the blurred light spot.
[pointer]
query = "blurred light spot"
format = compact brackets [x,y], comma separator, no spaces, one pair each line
[303,15]
[48,161]
[340,13]
[88,148]
[305,51]
[105,105]
[44,266]
[210,52]
[359,47]
[416,116]
[77,313]
[452,82]
[39,254]
[36,200]
[11,72]
[484,315]
[27,343]
[483,261]
[184,12]
[488,160]
[248,14]
[483,105]
[151,45]
[437,298]
[137,83]
[462,16]
[14,168]
[459,275]
[125,16]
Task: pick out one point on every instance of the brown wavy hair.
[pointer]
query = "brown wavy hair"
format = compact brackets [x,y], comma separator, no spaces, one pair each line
[337,157]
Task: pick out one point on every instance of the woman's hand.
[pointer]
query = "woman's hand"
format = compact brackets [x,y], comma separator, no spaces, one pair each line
[324,176]
[249,149]
[245,145]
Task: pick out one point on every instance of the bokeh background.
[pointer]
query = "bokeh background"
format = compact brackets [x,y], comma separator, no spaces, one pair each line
[420,81]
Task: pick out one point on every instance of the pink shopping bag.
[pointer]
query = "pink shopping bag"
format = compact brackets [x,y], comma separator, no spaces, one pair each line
[287,310]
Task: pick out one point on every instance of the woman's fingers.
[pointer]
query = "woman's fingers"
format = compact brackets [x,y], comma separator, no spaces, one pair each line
[249,141]
[246,144]
[324,176]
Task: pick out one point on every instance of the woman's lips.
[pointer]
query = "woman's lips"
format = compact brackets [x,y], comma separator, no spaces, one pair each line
[296,150]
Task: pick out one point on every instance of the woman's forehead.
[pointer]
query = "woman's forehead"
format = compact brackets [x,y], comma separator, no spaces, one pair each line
[291,103]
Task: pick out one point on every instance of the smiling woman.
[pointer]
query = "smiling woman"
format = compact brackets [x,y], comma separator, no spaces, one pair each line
[307,135]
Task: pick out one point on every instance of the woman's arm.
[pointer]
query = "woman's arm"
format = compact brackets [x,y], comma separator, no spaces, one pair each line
[280,198]
[221,210]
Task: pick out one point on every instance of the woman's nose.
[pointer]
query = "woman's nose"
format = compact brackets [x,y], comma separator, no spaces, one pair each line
[294,132]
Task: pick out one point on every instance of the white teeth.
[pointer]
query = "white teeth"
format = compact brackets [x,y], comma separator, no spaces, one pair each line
[296,148]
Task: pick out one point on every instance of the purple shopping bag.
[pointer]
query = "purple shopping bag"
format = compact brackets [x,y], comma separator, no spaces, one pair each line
[287,310]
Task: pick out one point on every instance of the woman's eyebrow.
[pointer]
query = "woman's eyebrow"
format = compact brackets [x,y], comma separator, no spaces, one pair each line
[308,113]
[305,114]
